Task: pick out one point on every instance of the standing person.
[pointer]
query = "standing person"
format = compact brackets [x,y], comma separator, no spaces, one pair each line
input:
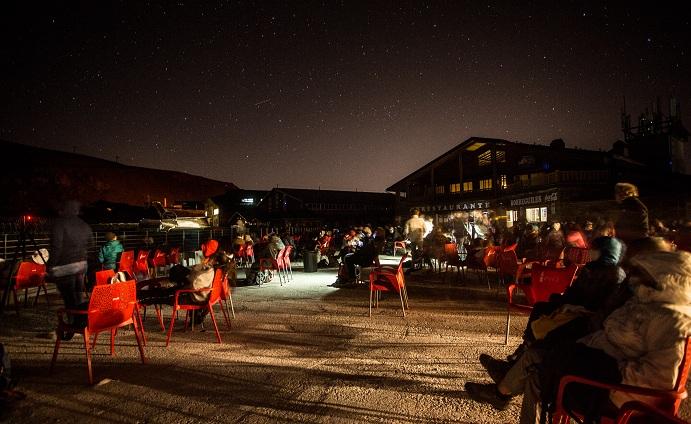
[70,239]
[109,253]
[414,231]
[554,242]
[632,221]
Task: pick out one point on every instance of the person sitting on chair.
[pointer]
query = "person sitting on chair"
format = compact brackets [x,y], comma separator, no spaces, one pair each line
[110,252]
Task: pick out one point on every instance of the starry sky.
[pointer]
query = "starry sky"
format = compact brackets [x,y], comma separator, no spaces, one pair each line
[342,95]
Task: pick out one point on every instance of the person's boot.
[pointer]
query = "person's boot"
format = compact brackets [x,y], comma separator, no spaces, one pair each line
[488,393]
[496,368]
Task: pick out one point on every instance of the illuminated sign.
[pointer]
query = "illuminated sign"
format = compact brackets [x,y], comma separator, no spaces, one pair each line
[248,200]
[552,197]
[456,207]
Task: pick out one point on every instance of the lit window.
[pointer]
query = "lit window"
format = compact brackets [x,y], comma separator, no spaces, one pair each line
[455,188]
[486,184]
[215,211]
[511,217]
[502,182]
[467,186]
[485,159]
[501,156]
[536,214]
[439,189]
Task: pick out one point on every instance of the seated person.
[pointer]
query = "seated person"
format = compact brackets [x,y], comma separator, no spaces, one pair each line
[364,256]
[640,344]
[199,276]
[110,252]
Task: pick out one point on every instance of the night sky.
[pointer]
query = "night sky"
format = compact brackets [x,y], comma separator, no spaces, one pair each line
[342,95]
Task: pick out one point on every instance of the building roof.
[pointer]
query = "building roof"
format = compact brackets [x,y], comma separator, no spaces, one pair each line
[474,143]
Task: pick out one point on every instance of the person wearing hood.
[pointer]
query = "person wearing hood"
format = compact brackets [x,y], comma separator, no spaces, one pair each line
[70,239]
[564,319]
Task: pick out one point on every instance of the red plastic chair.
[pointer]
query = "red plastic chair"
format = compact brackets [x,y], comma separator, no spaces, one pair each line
[127,262]
[642,412]
[103,277]
[399,245]
[28,275]
[141,265]
[214,298]
[381,279]
[667,401]
[544,281]
[453,259]
[286,261]
[240,254]
[274,264]
[111,306]
[158,261]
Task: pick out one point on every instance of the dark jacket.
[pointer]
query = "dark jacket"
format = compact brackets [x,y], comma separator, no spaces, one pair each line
[70,240]
[632,222]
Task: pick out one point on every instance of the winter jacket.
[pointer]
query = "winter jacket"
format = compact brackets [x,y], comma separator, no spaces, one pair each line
[69,242]
[201,276]
[109,253]
[415,229]
[632,222]
[647,334]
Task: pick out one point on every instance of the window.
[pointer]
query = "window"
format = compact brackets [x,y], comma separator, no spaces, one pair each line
[511,217]
[501,156]
[455,188]
[439,189]
[536,214]
[486,184]
[467,186]
[502,182]
[485,158]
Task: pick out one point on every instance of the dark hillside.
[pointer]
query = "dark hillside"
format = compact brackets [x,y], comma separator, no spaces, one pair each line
[32,179]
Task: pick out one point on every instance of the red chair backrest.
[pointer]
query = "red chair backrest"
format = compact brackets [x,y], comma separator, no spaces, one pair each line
[217,286]
[286,254]
[507,263]
[489,259]
[141,264]
[249,250]
[173,257]
[576,255]
[111,305]
[127,261]
[103,277]
[683,373]
[545,281]
[280,257]
[450,250]
[159,258]
[240,251]
[29,274]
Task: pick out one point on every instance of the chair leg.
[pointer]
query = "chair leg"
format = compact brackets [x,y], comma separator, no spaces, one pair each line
[87,348]
[137,336]
[160,317]
[370,302]
[232,308]
[138,317]
[172,324]
[112,341]
[213,320]
[400,294]
[508,323]
[16,302]
[225,314]
[55,354]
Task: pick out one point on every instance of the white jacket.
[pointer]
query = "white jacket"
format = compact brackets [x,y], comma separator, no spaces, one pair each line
[647,334]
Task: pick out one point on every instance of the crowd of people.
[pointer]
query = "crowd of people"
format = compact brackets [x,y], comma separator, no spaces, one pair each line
[624,319]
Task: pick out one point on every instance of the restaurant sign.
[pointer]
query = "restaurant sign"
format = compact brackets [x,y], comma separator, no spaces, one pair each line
[455,207]
[538,198]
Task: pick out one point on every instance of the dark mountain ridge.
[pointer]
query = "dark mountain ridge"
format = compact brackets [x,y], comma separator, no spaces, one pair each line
[34,179]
